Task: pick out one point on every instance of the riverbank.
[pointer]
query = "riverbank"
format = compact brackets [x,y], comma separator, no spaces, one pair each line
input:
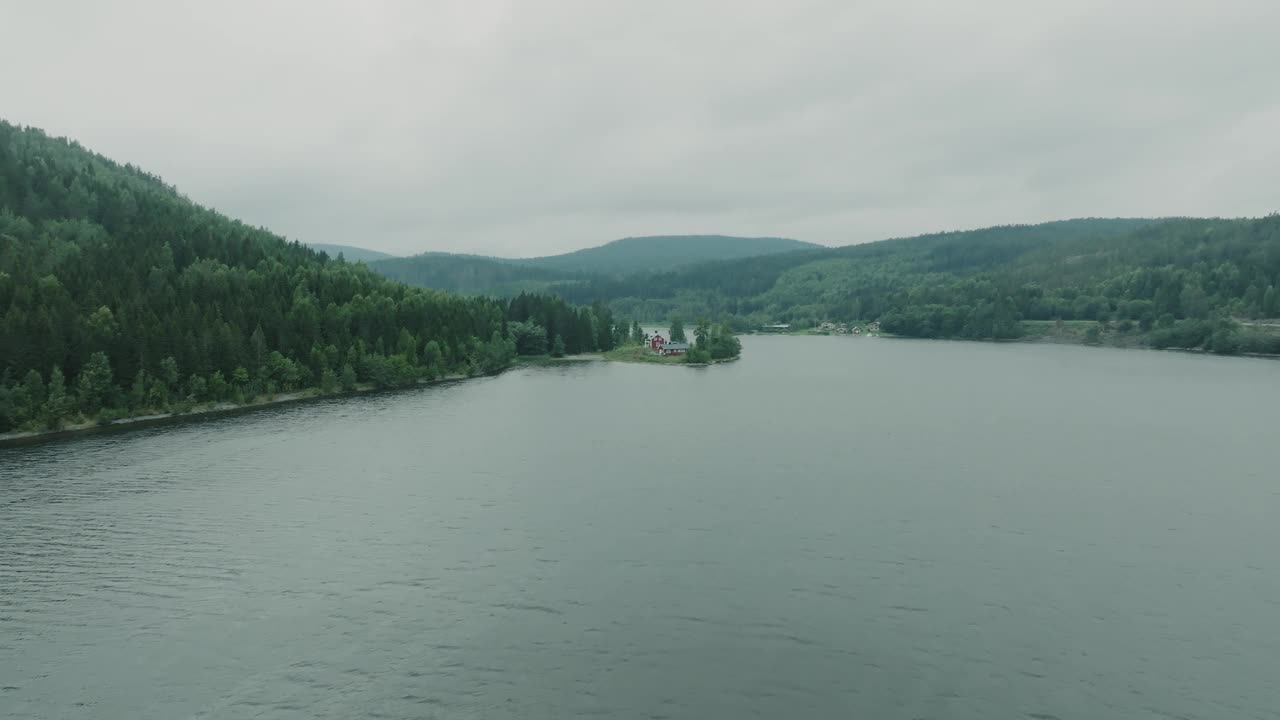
[19,437]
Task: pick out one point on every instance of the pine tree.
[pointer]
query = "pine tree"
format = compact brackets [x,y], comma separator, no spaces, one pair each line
[169,376]
[557,347]
[138,392]
[677,331]
[95,385]
[29,399]
[702,334]
[58,405]
[347,380]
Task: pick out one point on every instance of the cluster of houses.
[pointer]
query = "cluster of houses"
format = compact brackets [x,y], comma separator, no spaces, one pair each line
[662,346]
[845,329]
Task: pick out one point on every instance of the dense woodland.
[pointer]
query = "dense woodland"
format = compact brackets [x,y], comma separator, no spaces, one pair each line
[472,274]
[119,296]
[1187,283]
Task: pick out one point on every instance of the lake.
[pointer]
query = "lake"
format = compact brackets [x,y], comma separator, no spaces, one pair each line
[829,527]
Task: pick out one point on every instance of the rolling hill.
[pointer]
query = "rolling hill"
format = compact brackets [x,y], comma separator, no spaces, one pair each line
[471,274]
[119,296]
[1172,282]
[1181,282]
[504,277]
[663,252]
[350,253]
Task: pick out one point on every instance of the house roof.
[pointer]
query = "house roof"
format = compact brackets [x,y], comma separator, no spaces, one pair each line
[676,346]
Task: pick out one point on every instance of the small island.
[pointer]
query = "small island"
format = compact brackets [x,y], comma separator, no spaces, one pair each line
[712,344]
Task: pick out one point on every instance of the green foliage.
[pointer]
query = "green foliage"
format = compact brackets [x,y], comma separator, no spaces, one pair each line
[144,301]
[328,381]
[983,283]
[95,387]
[530,337]
[713,342]
[698,356]
[470,274]
[347,380]
[702,335]
[57,407]
[722,343]
[677,330]
[432,361]
[557,347]
[579,329]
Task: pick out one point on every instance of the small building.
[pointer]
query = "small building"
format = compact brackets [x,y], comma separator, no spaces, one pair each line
[674,348]
[656,342]
[874,327]
[777,327]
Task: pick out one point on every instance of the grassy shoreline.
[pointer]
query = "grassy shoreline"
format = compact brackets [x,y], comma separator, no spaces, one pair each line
[643,355]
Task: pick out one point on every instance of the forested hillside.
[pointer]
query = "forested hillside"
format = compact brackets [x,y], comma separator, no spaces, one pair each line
[119,296]
[1175,283]
[471,274]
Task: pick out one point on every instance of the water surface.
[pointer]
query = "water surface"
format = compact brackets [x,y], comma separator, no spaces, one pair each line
[830,527]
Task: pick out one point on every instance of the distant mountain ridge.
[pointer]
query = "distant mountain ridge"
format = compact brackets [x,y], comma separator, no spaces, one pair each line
[350,253]
[477,274]
[664,252]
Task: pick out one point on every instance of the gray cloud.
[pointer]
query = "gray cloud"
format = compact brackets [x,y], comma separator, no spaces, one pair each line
[527,128]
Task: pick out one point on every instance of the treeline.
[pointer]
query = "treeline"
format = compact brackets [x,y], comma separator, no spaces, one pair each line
[118,297]
[506,277]
[1178,282]
[470,274]
[713,342]
[542,324]
[1182,283]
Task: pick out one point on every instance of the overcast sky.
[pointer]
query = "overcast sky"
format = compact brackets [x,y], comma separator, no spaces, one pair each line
[532,127]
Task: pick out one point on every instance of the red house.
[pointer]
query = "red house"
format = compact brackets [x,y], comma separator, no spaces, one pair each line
[656,342]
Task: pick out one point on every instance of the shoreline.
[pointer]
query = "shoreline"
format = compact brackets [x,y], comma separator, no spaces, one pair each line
[1035,339]
[25,437]
[19,438]
[640,355]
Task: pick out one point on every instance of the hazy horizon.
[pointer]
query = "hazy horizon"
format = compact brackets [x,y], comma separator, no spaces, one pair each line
[523,130]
